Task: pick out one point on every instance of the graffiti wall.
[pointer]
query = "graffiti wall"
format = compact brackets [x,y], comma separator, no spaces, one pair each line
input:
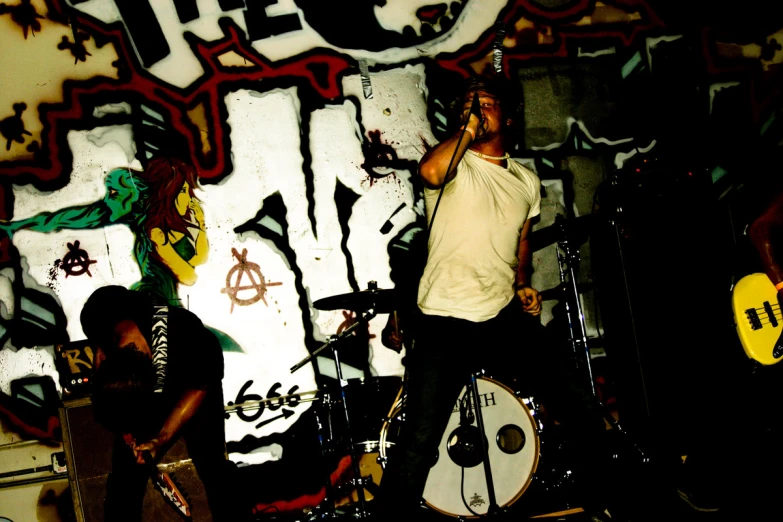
[304,121]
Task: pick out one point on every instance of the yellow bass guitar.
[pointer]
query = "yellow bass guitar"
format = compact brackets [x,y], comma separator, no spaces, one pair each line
[758,318]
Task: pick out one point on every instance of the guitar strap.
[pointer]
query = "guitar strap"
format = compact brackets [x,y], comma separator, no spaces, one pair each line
[160,345]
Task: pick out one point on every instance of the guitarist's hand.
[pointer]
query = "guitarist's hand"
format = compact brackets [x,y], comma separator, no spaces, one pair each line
[777,350]
[180,414]
[153,446]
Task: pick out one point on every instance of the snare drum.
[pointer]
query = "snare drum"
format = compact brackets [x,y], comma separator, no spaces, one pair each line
[368,401]
[456,485]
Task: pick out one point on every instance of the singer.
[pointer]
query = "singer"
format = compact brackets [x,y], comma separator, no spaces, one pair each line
[475,293]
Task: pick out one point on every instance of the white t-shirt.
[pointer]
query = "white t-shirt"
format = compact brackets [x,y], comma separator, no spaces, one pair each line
[474,241]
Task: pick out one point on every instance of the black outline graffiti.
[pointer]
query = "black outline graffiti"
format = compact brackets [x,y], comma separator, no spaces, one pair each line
[76,257]
[77,47]
[12,127]
[291,399]
[24,15]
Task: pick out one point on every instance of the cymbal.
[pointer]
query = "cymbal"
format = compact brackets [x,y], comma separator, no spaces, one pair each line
[382,301]
[543,237]
[576,230]
[562,290]
[552,293]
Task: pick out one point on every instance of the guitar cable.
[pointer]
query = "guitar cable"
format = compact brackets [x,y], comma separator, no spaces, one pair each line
[462,492]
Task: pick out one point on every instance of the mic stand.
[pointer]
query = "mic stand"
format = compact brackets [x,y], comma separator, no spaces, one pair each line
[332,343]
[492,508]
[567,260]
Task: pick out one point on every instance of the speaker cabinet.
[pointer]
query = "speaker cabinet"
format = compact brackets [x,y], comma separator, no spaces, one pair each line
[88,448]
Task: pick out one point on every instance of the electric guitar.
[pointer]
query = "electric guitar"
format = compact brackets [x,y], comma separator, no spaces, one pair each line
[167,487]
[759,318]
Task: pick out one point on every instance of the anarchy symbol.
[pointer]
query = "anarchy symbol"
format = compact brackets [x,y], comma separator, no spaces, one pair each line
[242,268]
[77,261]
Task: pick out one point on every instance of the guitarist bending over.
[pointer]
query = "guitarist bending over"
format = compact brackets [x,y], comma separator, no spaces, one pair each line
[157,379]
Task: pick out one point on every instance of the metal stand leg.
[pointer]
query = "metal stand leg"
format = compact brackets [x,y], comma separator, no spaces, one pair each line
[492,509]
[358,481]
[325,510]
[568,258]
[332,343]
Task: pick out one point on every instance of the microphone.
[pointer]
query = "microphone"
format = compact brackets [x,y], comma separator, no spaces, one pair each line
[465,411]
[475,107]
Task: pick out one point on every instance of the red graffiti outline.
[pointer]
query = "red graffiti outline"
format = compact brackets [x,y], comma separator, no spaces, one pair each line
[744,70]
[207,90]
[460,62]
[339,476]
[20,425]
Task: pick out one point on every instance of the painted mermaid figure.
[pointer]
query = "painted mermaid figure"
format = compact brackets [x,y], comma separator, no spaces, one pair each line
[159,206]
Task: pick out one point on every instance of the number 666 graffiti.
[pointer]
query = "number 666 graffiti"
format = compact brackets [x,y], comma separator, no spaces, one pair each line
[274,401]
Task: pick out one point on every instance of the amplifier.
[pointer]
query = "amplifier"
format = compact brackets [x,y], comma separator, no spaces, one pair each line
[74,363]
[88,450]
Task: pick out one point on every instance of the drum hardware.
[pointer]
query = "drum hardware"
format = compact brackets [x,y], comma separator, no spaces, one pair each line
[396,412]
[320,512]
[560,291]
[568,258]
[367,402]
[531,405]
[367,304]
[577,229]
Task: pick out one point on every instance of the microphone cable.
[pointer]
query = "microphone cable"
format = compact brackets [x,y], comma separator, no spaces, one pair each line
[475,108]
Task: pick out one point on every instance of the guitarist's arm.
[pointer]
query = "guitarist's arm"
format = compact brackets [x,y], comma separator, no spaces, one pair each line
[763,231]
[182,412]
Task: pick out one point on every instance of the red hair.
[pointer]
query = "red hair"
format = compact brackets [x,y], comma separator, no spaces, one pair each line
[164,178]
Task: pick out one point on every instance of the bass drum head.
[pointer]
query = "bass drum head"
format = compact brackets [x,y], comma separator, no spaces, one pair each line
[513,447]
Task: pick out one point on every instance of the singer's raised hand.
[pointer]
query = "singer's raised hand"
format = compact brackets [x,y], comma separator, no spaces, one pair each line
[472,117]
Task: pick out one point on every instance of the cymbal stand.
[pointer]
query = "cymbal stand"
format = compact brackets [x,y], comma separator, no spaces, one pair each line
[321,511]
[567,260]
[332,343]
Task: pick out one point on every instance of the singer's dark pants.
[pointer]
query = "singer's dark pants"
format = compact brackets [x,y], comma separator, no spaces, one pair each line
[512,346]
[204,436]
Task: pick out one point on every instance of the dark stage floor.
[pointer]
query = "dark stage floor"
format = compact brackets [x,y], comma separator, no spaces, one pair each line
[742,479]
[734,465]
[743,485]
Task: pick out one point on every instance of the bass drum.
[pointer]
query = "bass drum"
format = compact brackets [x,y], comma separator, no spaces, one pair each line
[457,485]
